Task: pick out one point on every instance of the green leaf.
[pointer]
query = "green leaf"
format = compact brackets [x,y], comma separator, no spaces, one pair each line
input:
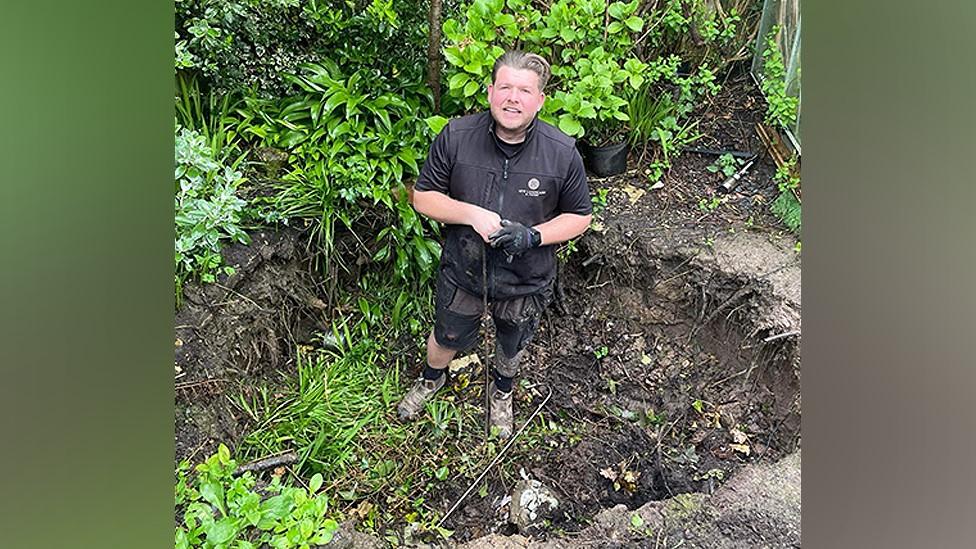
[567,34]
[636,520]
[223,453]
[634,23]
[276,507]
[615,27]
[213,493]
[503,19]
[306,527]
[569,125]
[453,55]
[617,10]
[182,542]
[315,483]
[441,473]
[435,123]
[470,88]
[221,531]
[457,81]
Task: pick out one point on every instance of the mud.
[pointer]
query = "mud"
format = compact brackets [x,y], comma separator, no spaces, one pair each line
[659,365]
[237,332]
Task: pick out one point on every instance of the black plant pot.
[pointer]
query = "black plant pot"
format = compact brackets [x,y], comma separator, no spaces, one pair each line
[604,161]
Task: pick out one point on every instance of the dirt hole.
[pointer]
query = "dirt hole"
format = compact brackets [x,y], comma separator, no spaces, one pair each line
[666,377]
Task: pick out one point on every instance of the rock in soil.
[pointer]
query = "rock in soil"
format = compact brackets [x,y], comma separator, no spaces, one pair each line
[531,503]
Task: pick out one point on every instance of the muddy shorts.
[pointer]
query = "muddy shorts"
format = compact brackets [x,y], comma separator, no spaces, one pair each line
[459,318]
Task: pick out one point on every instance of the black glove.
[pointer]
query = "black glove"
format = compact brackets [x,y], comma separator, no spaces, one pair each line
[515,238]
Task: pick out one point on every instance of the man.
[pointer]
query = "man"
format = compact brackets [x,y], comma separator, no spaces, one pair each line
[508,188]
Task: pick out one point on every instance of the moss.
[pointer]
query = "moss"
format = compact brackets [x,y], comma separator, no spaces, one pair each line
[683,506]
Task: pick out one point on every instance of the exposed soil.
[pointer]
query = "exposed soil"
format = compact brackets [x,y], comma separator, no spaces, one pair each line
[237,332]
[672,353]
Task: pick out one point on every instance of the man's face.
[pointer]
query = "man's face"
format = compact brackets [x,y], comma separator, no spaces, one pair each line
[515,98]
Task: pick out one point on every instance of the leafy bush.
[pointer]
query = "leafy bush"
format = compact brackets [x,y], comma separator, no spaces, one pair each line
[218,510]
[208,210]
[591,63]
[592,47]
[352,138]
[782,108]
[236,44]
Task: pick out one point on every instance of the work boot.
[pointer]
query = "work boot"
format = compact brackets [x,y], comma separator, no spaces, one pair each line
[500,411]
[421,391]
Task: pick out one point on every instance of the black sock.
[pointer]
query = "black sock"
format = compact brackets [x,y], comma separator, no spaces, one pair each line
[502,383]
[431,374]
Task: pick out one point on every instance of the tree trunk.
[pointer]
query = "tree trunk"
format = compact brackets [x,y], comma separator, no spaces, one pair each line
[434,52]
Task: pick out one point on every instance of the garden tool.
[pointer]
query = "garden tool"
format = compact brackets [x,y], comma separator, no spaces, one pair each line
[500,454]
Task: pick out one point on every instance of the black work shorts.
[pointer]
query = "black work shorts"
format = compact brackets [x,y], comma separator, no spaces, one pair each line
[458,318]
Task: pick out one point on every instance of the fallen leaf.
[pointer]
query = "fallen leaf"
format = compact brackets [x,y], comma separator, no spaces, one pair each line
[363,509]
[633,193]
[738,436]
[658,185]
[742,448]
[645,360]
[608,473]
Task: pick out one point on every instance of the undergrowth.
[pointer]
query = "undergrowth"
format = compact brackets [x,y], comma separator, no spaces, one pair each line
[215,508]
[787,205]
[781,107]
[207,210]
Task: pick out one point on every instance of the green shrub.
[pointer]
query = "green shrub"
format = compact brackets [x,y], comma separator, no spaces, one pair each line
[591,63]
[781,108]
[215,509]
[353,138]
[593,50]
[237,44]
[208,210]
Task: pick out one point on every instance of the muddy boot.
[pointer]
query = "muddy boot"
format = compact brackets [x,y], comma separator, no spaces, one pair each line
[500,412]
[421,391]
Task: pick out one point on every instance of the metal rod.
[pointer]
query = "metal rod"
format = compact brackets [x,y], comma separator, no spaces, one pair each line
[498,457]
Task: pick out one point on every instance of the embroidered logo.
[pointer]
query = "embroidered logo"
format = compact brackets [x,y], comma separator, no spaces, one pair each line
[533,189]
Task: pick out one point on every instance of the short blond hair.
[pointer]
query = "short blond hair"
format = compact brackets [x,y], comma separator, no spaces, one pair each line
[517,59]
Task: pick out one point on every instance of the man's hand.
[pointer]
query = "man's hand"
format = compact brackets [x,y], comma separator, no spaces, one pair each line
[485,222]
[515,237]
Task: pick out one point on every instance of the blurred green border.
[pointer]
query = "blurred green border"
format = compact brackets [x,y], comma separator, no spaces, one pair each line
[86,206]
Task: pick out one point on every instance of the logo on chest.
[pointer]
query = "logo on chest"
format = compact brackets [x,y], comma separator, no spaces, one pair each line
[533,189]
